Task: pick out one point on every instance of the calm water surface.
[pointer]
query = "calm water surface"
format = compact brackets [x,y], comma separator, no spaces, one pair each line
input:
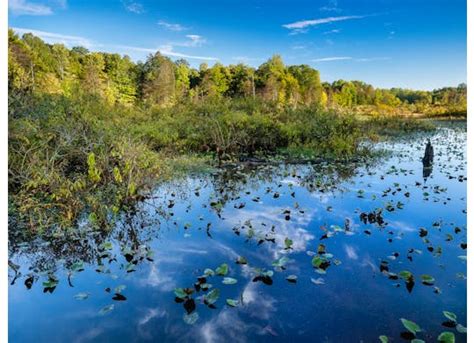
[345,231]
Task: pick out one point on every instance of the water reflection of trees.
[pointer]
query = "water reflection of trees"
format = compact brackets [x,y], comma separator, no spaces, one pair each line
[64,251]
[135,229]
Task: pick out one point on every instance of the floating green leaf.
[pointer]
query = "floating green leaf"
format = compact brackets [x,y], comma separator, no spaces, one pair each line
[211,297]
[446,337]
[406,275]
[119,288]
[427,279]
[241,260]
[222,270]
[106,309]
[229,281]
[107,246]
[51,283]
[383,339]
[81,296]
[180,293]
[318,281]
[450,315]
[292,278]
[410,326]
[461,329]
[190,319]
[281,262]
[232,302]
[208,272]
[77,266]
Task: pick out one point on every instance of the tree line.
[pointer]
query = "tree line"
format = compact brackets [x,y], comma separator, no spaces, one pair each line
[35,66]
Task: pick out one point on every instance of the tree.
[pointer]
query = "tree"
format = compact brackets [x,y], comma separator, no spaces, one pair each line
[269,79]
[346,97]
[93,77]
[122,77]
[215,80]
[242,81]
[182,75]
[158,80]
[309,83]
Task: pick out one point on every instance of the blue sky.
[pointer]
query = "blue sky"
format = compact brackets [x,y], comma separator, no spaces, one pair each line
[419,44]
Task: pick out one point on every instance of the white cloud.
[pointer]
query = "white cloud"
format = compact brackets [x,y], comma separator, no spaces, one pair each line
[372,59]
[331,7]
[133,6]
[24,7]
[335,58]
[305,23]
[332,31]
[347,58]
[272,215]
[157,279]
[172,26]
[168,50]
[196,40]
[351,252]
[54,38]
[193,41]
[70,41]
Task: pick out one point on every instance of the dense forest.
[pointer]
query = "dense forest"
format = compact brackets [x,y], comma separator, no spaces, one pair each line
[90,132]
[54,69]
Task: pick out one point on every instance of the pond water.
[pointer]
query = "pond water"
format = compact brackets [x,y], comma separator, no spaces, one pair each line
[326,253]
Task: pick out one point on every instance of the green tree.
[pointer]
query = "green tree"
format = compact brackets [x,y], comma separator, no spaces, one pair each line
[158,80]
[309,83]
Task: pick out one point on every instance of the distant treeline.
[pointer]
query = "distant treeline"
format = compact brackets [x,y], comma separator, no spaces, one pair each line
[35,66]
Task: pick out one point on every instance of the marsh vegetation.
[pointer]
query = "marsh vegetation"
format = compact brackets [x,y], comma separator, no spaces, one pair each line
[163,202]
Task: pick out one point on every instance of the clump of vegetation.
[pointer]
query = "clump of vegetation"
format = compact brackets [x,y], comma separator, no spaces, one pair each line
[62,162]
[90,132]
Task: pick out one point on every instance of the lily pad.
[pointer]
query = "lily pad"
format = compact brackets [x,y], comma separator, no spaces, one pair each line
[232,302]
[281,262]
[106,309]
[222,270]
[211,297]
[209,272]
[406,275]
[229,281]
[461,328]
[106,246]
[77,266]
[81,296]
[410,326]
[241,260]
[446,337]
[427,279]
[190,319]
[450,315]
[318,281]
[119,288]
[181,293]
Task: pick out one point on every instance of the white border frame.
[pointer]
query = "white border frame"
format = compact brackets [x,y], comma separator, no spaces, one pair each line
[4,166]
